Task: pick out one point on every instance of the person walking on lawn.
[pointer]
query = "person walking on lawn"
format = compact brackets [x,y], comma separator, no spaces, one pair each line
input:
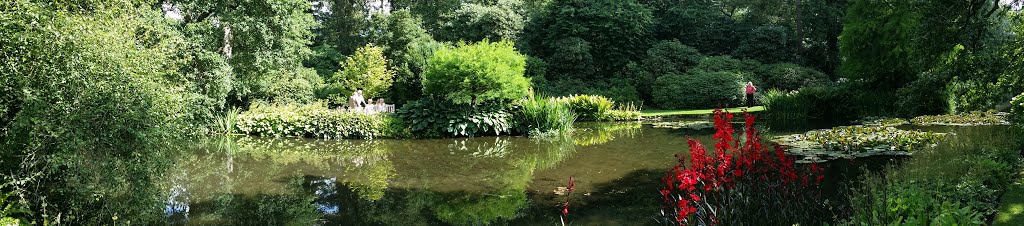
[750,94]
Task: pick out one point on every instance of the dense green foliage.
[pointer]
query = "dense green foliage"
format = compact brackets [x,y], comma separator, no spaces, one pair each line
[1017,109]
[435,118]
[589,107]
[407,46]
[264,42]
[941,56]
[666,57]
[791,76]
[96,81]
[476,22]
[476,73]
[823,104]
[589,39]
[767,44]
[956,183]
[975,118]
[317,121]
[697,89]
[366,69]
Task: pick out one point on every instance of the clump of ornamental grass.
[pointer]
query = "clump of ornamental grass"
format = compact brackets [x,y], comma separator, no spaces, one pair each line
[543,115]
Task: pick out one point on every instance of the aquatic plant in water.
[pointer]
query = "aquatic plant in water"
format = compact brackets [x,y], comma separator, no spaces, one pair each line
[968,119]
[855,141]
[740,184]
[689,125]
[881,121]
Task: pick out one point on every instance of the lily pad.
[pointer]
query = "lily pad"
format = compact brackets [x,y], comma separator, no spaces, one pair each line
[851,142]
[976,118]
[690,125]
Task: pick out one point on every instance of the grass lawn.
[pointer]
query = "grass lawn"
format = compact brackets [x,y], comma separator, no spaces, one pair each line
[1011,207]
[654,113]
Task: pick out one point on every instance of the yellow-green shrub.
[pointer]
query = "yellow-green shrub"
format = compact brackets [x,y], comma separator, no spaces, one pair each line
[589,107]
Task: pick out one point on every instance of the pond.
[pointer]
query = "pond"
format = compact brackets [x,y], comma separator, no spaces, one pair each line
[244,180]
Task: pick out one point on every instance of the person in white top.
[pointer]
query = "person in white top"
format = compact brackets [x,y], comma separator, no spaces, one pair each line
[356,101]
[379,105]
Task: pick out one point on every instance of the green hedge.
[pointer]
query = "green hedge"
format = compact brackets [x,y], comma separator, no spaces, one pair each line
[698,90]
[315,121]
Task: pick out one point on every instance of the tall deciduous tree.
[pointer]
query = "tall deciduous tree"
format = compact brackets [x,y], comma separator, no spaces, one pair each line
[475,22]
[264,41]
[367,69]
[888,43]
[407,46]
[589,39]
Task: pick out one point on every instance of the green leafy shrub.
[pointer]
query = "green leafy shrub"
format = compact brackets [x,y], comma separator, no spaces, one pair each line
[962,176]
[477,73]
[925,96]
[623,115]
[367,69]
[664,57]
[474,22]
[290,87]
[697,90]
[727,63]
[780,105]
[791,76]
[541,115]
[588,107]
[313,120]
[1017,109]
[767,44]
[435,118]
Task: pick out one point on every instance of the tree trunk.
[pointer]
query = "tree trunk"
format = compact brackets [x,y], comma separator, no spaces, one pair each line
[226,49]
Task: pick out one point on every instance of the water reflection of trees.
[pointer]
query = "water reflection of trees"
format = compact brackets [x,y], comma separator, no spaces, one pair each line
[231,180]
[600,133]
[227,178]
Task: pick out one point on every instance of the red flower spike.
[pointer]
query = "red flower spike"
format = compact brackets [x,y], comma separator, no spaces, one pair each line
[731,163]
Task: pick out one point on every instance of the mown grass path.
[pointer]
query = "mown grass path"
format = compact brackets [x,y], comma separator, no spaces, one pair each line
[1011,206]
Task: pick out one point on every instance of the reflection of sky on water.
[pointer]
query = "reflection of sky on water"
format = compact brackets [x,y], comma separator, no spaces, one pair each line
[176,207]
[325,189]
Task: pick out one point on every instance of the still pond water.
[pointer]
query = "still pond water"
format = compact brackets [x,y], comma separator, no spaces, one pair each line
[244,180]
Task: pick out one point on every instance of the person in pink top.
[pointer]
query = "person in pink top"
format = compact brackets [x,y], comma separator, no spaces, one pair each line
[750,94]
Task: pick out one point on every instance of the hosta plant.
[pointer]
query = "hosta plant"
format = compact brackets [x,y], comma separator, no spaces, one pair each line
[433,118]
